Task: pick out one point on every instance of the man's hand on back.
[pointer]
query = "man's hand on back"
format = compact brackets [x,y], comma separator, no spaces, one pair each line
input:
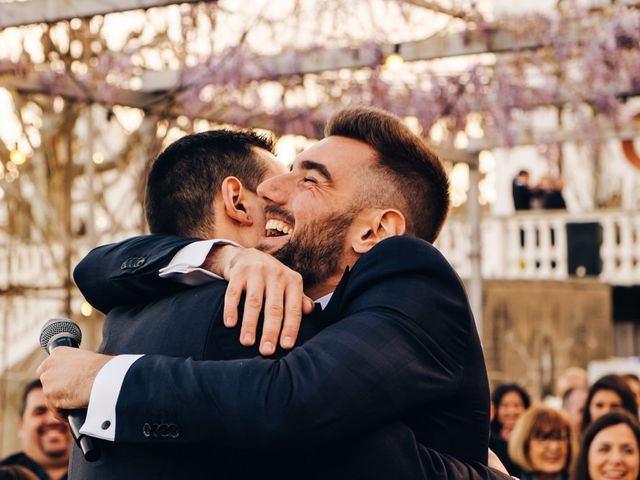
[265,281]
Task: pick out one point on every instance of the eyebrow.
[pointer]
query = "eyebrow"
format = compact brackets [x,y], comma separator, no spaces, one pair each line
[311,165]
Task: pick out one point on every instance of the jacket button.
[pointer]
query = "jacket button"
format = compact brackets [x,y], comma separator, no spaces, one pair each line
[133,262]
[174,430]
[146,430]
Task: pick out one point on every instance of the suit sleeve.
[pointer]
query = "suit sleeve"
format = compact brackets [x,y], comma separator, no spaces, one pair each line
[127,272]
[401,344]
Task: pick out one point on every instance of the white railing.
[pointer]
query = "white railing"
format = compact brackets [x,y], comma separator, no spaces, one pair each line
[33,277]
[533,245]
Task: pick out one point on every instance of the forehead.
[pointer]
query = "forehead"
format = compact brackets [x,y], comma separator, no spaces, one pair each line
[606,394]
[510,397]
[620,432]
[274,167]
[342,156]
[35,398]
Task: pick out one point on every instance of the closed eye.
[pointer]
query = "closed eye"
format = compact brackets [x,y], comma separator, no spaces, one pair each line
[310,180]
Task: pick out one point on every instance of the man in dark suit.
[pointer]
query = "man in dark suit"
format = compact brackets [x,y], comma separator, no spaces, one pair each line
[399,345]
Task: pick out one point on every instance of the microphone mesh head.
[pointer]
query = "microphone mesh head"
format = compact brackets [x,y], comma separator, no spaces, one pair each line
[56,326]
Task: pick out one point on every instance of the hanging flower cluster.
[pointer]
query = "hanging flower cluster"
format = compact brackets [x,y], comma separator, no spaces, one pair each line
[570,59]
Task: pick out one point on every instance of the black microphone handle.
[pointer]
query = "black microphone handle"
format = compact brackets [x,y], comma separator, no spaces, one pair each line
[90,450]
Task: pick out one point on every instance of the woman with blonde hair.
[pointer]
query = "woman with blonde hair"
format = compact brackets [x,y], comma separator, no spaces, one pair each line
[541,444]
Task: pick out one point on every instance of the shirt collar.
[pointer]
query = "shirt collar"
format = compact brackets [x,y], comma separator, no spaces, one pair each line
[324,300]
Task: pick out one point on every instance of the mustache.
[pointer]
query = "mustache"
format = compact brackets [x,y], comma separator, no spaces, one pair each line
[280,212]
[60,427]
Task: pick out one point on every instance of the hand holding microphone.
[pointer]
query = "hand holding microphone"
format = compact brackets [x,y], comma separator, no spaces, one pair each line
[67,377]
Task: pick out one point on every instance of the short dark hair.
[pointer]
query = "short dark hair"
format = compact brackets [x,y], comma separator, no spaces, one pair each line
[28,388]
[581,470]
[186,176]
[422,186]
[616,384]
[496,397]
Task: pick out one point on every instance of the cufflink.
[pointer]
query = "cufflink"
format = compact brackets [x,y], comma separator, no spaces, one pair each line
[105,425]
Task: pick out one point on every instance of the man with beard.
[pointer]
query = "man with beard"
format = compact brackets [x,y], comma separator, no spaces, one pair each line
[399,343]
[46,441]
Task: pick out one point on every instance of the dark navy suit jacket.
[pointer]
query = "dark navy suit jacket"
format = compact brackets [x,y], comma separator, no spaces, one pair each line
[396,373]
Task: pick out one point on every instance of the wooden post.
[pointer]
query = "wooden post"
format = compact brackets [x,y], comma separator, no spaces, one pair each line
[475,250]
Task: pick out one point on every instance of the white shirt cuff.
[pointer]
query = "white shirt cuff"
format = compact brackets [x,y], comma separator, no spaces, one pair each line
[101,414]
[185,265]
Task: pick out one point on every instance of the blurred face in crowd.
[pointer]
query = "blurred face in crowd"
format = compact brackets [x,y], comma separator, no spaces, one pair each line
[510,408]
[575,404]
[44,438]
[603,402]
[634,385]
[548,452]
[613,454]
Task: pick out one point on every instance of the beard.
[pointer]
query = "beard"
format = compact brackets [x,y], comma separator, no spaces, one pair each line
[317,249]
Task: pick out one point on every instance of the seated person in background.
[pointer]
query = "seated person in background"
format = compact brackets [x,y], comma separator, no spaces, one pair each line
[608,393]
[541,444]
[508,402]
[549,193]
[46,441]
[610,449]
[633,382]
[573,402]
[521,191]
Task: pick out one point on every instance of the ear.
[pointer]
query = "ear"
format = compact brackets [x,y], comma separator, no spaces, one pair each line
[233,194]
[374,225]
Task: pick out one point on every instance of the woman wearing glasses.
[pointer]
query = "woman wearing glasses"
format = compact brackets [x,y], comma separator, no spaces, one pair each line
[541,444]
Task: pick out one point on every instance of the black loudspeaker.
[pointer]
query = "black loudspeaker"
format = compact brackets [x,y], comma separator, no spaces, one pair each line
[583,249]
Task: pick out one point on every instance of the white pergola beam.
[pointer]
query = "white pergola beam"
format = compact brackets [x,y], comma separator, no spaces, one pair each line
[49,11]
[331,59]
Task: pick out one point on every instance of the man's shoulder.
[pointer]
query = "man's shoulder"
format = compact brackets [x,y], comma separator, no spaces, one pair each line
[19,458]
[22,460]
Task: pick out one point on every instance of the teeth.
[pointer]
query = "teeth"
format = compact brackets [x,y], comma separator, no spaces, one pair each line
[278,225]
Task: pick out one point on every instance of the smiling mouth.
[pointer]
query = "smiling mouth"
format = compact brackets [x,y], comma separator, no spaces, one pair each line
[615,474]
[277,228]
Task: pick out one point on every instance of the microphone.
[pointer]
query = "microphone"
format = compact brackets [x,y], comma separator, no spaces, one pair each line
[62,332]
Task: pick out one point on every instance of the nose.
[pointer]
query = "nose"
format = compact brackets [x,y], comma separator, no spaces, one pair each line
[615,456]
[554,444]
[275,189]
[50,418]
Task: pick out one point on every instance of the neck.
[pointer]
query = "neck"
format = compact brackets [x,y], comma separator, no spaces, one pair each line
[548,476]
[56,473]
[325,287]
